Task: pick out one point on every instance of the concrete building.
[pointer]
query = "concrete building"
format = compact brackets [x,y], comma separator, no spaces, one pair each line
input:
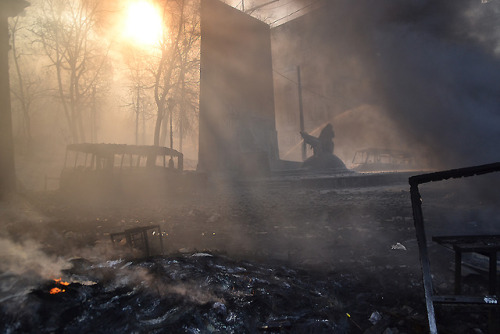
[237,121]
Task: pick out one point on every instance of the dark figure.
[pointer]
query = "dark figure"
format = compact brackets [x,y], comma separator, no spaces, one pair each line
[326,139]
[323,144]
[323,157]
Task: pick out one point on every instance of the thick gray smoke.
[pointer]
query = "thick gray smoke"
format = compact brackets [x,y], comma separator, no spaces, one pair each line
[439,73]
[23,266]
[431,66]
[28,258]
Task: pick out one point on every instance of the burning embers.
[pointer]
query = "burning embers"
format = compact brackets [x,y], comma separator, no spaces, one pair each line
[54,291]
[59,288]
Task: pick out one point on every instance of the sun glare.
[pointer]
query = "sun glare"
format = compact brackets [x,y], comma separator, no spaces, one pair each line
[143,23]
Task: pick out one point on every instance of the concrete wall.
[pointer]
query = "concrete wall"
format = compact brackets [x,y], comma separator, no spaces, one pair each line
[237,124]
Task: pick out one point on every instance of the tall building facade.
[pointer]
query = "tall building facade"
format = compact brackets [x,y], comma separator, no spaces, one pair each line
[237,121]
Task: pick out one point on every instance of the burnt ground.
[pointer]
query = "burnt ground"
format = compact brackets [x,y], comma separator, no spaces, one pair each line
[349,254]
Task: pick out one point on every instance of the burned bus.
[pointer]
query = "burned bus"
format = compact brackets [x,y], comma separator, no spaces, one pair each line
[125,170]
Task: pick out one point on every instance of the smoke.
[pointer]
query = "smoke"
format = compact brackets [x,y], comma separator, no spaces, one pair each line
[439,83]
[146,275]
[27,258]
[427,71]
[23,267]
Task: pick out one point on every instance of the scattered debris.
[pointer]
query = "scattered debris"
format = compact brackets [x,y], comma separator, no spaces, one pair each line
[201,255]
[139,238]
[398,246]
[375,317]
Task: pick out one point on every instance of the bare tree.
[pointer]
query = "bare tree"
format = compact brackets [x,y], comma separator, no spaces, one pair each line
[176,61]
[27,84]
[67,32]
[189,64]
[164,73]
[139,91]
[7,166]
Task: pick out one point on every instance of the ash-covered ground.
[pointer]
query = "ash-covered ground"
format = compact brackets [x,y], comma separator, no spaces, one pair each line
[239,257]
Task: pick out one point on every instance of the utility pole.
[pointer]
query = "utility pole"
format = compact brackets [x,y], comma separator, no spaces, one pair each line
[8,8]
[301,113]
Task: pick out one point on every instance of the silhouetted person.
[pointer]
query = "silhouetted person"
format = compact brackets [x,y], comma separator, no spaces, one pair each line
[323,144]
[323,157]
[326,139]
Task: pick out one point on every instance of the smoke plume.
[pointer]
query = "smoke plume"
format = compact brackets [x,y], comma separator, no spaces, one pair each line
[431,67]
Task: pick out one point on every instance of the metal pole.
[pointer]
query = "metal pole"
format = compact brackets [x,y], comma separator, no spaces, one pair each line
[301,113]
[418,218]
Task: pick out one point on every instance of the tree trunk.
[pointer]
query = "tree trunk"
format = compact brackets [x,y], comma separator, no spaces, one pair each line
[137,111]
[163,134]
[67,112]
[7,169]
[171,116]
[182,107]
[93,117]
[163,76]
[22,97]
[159,119]
[181,133]
[143,128]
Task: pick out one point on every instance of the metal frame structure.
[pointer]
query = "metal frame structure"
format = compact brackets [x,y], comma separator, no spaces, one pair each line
[108,150]
[418,219]
[92,170]
[137,237]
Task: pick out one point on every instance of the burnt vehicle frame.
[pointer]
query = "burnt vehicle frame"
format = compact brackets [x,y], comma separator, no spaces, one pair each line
[382,159]
[122,169]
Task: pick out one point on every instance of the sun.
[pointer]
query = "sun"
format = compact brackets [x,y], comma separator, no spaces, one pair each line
[143,23]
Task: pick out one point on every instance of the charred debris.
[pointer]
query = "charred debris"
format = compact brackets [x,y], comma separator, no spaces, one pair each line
[200,271]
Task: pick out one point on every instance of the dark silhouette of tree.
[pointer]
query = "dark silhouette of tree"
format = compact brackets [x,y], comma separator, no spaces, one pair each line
[67,31]
[176,63]
[8,9]
[27,83]
[187,93]
[139,97]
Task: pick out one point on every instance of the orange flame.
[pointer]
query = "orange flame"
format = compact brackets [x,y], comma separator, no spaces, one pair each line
[53,291]
[60,281]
